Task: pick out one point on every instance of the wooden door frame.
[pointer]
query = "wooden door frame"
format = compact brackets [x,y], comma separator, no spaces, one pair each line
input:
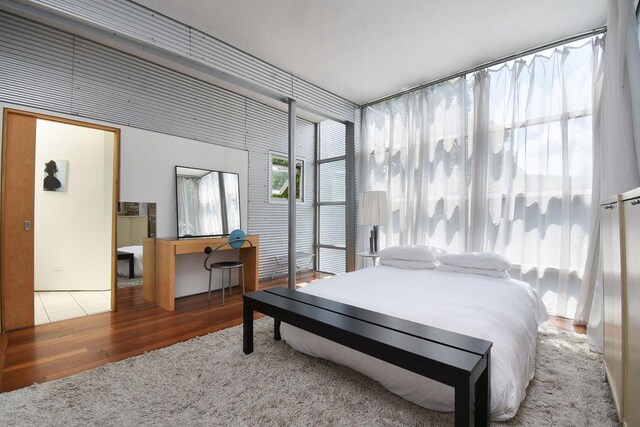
[116,185]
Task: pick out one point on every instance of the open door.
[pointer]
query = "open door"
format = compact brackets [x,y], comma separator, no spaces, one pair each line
[21,204]
[18,184]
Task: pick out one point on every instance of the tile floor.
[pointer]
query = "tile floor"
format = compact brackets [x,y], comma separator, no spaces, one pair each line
[54,306]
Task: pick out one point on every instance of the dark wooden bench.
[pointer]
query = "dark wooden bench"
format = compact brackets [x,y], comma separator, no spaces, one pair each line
[127,256]
[454,359]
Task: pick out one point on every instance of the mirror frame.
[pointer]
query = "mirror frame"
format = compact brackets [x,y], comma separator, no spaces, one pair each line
[179,237]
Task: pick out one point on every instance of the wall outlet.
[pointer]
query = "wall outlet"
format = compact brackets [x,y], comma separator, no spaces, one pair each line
[57,268]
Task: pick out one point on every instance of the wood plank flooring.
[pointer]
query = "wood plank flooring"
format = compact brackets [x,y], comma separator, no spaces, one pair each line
[59,349]
[55,350]
[567,325]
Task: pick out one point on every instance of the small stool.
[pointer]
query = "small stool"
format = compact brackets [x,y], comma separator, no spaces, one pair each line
[228,266]
[237,239]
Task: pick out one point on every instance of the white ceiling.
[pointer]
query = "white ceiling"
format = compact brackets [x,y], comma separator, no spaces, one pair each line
[365,49]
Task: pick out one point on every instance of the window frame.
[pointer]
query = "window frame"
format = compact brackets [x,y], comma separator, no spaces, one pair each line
[281,200]
[320,204]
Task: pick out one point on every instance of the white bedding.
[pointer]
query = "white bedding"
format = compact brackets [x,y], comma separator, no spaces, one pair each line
[498,274]
[506,312]
[123,264]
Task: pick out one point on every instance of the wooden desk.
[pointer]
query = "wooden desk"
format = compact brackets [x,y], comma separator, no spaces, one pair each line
[159,264]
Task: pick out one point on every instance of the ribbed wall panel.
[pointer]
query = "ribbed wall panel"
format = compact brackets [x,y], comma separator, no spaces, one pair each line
[267,130]
[332,181]
[35,64]
[333,139]
[332,225]
[228,59]
[141,94]
[129,19]
[360,263]
[306,212]
[37,69]
[312,95]
[139,24]
[332,260]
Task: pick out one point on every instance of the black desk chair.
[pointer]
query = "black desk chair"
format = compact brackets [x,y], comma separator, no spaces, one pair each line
[237,239]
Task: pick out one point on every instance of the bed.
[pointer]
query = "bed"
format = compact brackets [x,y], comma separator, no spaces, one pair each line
[123,265]
[504,311]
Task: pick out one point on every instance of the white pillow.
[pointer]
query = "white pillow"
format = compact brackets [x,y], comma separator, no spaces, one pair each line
[411,265]
[411,253]
[498,274]
[483,260]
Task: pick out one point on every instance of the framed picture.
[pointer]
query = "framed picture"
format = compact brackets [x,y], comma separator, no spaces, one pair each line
[55,175]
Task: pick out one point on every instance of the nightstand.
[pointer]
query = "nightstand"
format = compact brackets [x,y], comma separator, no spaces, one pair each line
[373,256]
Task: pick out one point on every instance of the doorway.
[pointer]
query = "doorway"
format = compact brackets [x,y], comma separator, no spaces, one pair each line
[57,241]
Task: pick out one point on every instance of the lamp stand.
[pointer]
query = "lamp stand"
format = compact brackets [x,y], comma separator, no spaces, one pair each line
[373,240]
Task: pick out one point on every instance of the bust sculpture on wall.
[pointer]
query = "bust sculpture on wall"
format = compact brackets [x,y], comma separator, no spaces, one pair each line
[55,178]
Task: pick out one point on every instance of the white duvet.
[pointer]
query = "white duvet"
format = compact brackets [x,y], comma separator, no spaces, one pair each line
[504,311]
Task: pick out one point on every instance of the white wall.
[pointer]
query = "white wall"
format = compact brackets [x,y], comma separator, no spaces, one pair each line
[73,229]
[147,174]
[147,171]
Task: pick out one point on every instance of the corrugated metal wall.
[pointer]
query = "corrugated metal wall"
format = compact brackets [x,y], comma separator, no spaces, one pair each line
[36,64]
[359,246]
[267,131]
[126,19]
[45,68]
[144,95]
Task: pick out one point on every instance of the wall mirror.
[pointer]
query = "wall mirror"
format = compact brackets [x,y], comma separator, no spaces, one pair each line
[208,202]
[135,222]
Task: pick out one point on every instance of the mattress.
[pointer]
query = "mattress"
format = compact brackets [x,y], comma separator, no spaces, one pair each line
[506,312]
[123,265]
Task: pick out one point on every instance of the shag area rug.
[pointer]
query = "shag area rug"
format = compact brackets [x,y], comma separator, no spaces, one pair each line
[126,282]
[209,381]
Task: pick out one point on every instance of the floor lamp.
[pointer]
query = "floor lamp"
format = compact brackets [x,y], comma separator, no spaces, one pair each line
[372,210]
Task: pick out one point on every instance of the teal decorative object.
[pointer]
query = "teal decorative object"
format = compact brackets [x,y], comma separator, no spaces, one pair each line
[236,238]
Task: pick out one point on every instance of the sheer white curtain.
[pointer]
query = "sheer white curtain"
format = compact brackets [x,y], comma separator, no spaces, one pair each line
[500,162]
[415,148]
[534,142]
[210,213]
[616,143]
[200,204]
[232,200]
[187,188]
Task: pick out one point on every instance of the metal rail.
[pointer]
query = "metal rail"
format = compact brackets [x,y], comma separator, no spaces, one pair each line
[594,32]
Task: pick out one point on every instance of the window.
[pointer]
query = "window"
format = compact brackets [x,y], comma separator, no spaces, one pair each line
[331,197]
[280,178]
[499,160]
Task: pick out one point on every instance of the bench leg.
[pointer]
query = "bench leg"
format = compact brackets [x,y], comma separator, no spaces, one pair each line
[276,330]
[131,269]
[464,393]
[247,326]
[483,395]
[473,401]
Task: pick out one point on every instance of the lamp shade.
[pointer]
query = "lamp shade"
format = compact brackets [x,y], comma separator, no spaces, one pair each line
[372,208]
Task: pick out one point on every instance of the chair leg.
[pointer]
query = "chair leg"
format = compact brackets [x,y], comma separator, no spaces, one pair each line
[222,280]
[209,294]
[242,271]
[229,282]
